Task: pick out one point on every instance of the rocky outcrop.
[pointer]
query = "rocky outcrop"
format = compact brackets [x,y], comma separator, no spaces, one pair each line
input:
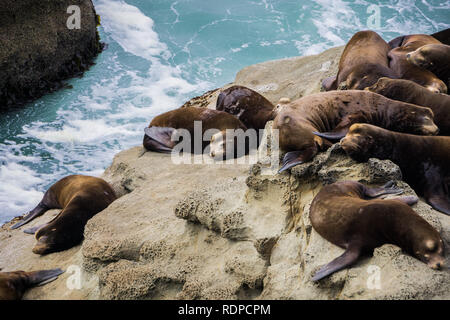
[222,231]
[38,50]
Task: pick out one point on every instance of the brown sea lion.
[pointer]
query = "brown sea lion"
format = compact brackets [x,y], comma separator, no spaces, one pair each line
[406,70]
[433,57]
[332,113]
[411,92]
[424,161]
[443,36]
[158,135]
[247,105]
[363,62]
[80,198]
[349,215]
[14,284]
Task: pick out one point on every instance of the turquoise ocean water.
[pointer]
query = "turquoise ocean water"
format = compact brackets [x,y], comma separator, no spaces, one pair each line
[161,53]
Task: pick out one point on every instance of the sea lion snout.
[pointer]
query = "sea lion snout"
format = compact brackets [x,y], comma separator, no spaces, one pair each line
[430,130]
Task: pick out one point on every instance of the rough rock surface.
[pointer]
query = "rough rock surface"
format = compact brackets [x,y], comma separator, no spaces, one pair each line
[221,231]
[38,50]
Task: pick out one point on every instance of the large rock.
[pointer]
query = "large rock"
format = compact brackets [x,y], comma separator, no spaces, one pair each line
[220,231]
[38,50]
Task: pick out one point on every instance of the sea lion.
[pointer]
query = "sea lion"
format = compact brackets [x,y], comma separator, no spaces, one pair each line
[14,284]
[80,198]
[411,92]
[247,105]
[363,62]
[443,36]
[349,215]
[332,113]
[433,57]
[424,161]
[406,70]
[158,135]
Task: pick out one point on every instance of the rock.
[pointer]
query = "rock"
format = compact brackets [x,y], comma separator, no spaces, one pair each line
[221,231]
[37,49]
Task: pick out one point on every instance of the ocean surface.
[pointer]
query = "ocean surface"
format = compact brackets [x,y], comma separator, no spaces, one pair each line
[161,53]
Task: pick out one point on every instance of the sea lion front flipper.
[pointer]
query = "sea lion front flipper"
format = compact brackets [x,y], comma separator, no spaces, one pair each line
[159,139]
[342,127]
[34,229]
[36,212]
[331,135]
[329,83]
[409,200]
[294,158]
[349,257]
[440,203]
[39,278]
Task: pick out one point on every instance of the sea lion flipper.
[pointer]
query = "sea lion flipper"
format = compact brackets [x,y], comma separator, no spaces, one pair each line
[36,212]
[409,200]
[294,158]
[34,229]
[348,258]
[388,188]
[329,83]
[440,203]
[330,135]
[159,139]
[39,278]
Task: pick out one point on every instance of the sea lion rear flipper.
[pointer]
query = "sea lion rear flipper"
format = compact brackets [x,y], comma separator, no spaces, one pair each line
[329,83]
[349,257]
[440,203]
[36,212]
[159,139]
[388,188]
[294,158]
[39,278]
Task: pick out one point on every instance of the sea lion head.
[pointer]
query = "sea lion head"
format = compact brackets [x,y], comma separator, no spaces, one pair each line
[360,143]
[430,249]
[413,119]
[229,143]
[52,238]
[280,105]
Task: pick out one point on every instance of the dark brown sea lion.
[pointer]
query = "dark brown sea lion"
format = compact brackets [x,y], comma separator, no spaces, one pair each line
[443,36]
[332,113]
[80,198]
[158,135]
[424,161]
[348,215]
[433,57]
[406,70]
[14,284]
[411,92]
[363,62]
[247,105]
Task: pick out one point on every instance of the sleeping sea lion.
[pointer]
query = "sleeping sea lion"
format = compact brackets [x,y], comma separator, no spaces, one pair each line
[424,161]
[158,135]
[363,62]
[14,284]
[332,113]
[350,215]
[411,92]
[80,198]
[406,70]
